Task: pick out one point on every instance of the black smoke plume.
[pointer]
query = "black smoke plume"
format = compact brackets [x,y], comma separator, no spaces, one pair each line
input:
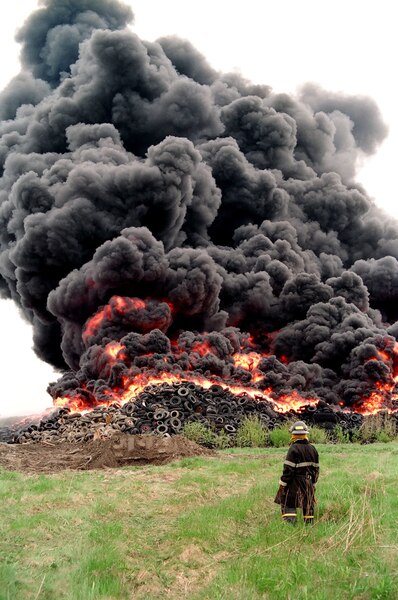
[187,215]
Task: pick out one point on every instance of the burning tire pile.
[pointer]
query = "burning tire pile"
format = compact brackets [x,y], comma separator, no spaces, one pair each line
[161,219]
[165,409]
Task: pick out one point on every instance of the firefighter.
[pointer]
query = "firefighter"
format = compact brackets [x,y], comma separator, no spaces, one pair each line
[300,474]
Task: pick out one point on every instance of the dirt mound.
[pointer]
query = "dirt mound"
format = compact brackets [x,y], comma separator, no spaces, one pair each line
[117,451]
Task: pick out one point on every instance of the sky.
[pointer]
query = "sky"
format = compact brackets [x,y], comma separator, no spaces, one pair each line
[348,47]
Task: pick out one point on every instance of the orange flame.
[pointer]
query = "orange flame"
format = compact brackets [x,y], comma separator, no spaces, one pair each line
[294,401]
[116,304]
[201,348]
[248,361]
[382,399]
[113,350]
[138,384]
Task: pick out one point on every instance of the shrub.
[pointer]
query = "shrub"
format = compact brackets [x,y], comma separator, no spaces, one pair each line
[355,435]
[222,440]
[380,427]
[209,438]
[382,436]
[251,433]
[389,426]
[199,433]
[340,435]
[318,435]
[280,436]
[195,431]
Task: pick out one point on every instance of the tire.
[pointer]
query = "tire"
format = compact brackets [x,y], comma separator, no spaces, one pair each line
[162,429]
[176,424]
[328,425]
[161,414]
[167,389]
[355,418]
[183,391]
[145,428]
[175,401]
[323,417]
[216,390]
[230,428]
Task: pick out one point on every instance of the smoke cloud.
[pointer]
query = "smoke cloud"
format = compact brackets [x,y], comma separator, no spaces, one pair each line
[187,215]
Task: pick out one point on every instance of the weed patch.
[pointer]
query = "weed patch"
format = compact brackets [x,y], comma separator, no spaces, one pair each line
[251,433]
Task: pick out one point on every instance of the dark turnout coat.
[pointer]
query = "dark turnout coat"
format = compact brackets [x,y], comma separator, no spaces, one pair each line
[300,473]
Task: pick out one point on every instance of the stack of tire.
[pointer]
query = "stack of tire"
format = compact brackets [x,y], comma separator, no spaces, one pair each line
[165,409]
[322,415]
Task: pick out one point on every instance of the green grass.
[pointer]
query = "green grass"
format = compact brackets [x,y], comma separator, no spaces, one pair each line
[202,528]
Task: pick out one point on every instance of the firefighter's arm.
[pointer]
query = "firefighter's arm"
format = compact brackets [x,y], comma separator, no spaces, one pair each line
[280,495]
[289,467]
[316,469]
[316,474]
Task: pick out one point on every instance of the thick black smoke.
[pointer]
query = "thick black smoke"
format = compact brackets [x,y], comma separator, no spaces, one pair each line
[221,215]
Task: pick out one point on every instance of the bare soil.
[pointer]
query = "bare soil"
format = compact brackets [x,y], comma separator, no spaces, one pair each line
[120,450]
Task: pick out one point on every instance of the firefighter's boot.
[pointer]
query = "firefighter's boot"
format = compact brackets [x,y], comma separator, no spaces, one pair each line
[289,515]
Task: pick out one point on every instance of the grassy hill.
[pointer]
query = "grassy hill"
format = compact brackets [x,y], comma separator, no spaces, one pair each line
[202,528]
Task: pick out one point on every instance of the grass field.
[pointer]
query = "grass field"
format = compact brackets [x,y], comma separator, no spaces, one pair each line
[202,528]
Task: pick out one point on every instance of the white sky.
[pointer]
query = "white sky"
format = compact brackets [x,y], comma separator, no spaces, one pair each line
[348,46]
